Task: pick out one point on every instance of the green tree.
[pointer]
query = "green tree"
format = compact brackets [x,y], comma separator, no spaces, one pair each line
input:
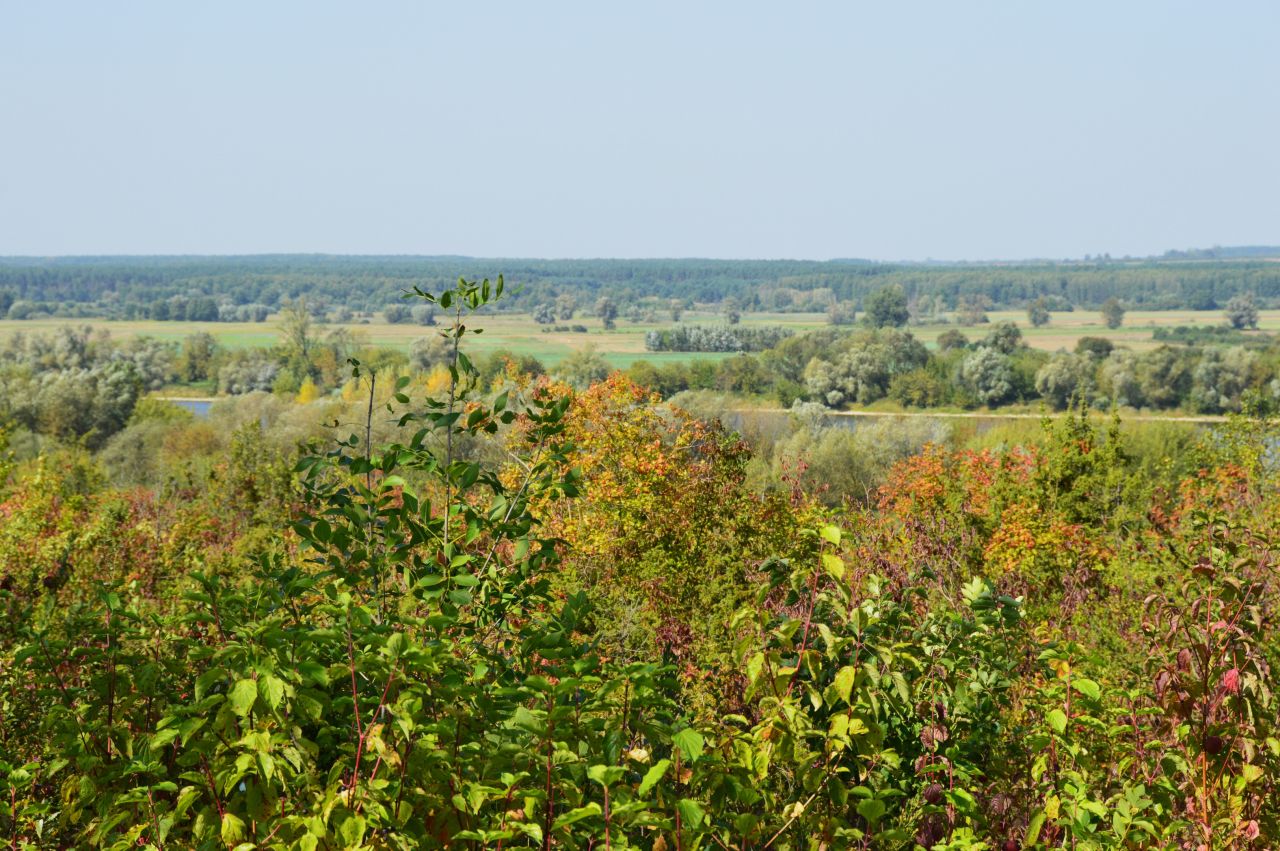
[198,358]
[397,314]
[1004,337]
[1096,347]
[1113,312]
[1038,312]
[841,313]
[424,314]
[1242,312]
[565,306]
[732,310]
[887,307]
[583,367]
[952,339]
[297,339]
[989,375]
[1065,377]
[607,310]
[972,309]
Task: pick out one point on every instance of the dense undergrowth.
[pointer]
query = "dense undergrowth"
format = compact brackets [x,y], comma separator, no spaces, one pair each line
[547,618]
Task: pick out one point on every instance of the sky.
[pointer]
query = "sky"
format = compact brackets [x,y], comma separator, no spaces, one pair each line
[904,130]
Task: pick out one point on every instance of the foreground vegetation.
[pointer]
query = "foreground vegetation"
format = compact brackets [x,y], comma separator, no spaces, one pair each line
[489,609]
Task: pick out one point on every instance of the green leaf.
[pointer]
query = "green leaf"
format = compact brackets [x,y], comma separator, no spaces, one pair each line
[844,682]
[272,690]
[652,776]
[1088,688]
[1057,720]
[352,830]
[242,696]
[871,809]
[1033,829]
[830,534]
[185,798]
[690,742]
[834,565]
[315,672]
[606,775]
[690,811]
[163,738]
[576,815]
[232,828]
[754,665]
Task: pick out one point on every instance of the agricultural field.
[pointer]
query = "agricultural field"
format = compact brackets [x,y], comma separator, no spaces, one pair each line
[624,345]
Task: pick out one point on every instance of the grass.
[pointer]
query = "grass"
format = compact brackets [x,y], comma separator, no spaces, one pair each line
[624,345]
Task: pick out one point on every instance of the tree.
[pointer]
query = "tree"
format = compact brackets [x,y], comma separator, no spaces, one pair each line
[426,353]
[202,309]
[1038,312]
[544,314]
[676,306]
[887,307]
[972,310]
[1164,376]
[397,314]
[196,361]
[841,313]
[565,306]
[862,372]
[952,339]
[924,309]
[1118,380]
[1004,338]
[607,310]
[1220,379]
[308,392]
[1112,312]
[1242,312]
[295,329]
[424,314]
[583,367]
[742,374]
[1062,378]
[989,375]
[732,310]
[1097,347]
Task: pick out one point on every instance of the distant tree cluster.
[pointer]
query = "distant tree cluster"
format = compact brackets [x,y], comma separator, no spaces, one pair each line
[836,368]
[76,385]
[712,338]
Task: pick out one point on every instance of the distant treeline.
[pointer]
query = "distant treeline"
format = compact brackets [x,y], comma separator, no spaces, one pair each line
[241,288]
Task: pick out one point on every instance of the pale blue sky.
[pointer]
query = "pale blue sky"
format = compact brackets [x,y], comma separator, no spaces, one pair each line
[890,130]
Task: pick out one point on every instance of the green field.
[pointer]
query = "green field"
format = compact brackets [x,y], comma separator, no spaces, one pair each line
[625,344]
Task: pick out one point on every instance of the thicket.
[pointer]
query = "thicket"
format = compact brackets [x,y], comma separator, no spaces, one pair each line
[703,338]
[535,617]
[840,368]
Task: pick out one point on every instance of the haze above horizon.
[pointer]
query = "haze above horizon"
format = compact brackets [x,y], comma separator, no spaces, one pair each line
[999,130]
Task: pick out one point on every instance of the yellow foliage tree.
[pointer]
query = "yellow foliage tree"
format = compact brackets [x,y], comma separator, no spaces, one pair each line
[308,392]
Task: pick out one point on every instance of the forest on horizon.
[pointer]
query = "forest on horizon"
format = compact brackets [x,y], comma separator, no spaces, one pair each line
[130,287]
